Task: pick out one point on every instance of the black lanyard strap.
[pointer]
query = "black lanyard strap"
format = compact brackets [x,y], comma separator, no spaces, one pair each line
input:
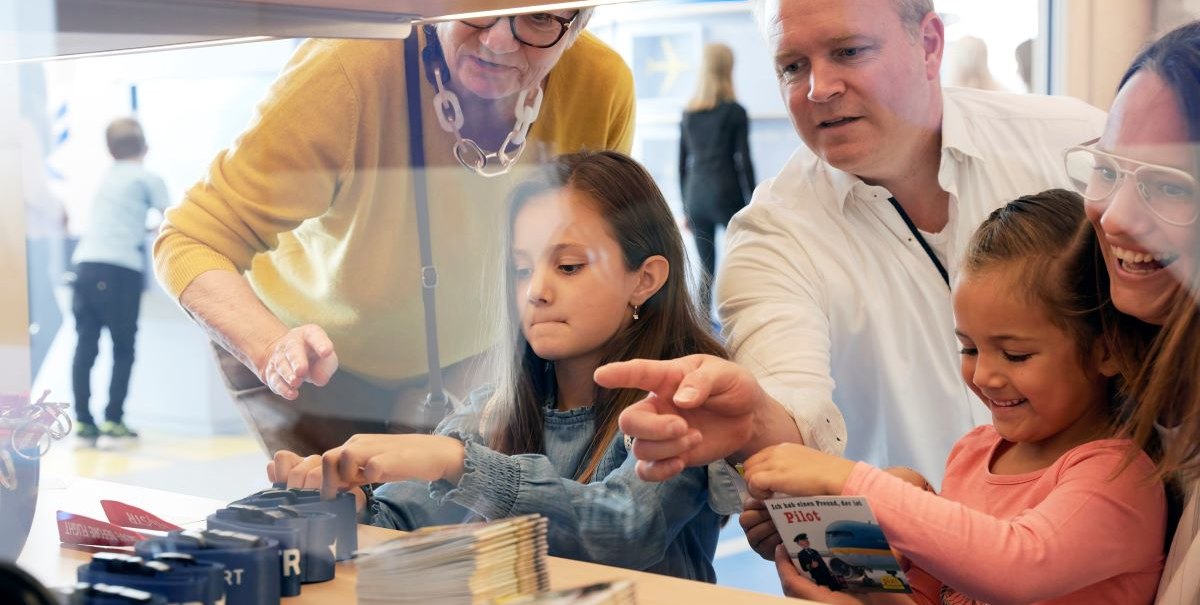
[924,244]
[436,404]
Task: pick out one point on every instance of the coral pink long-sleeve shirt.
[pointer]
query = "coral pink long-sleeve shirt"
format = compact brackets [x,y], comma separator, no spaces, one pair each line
[1068,533]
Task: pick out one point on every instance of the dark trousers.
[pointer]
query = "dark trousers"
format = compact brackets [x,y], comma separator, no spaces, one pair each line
[106,296]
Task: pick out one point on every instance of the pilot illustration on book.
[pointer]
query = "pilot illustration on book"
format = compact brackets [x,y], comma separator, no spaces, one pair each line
[810,561]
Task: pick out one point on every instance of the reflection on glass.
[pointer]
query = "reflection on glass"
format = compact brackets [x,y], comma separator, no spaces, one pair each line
[316,204]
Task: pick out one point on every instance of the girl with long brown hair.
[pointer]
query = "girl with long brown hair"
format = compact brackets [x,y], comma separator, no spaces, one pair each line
[594,274]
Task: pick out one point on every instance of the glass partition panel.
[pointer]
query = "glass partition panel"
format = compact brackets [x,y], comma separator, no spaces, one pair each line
[330,237]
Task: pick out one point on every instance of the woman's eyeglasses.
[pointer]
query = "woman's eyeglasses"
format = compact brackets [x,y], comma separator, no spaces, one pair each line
[1171,194]
[539,30]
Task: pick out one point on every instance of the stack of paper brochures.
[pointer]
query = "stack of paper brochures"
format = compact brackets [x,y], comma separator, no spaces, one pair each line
[604,593]
[469,564]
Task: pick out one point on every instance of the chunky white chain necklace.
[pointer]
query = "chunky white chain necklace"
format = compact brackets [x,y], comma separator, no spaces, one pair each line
[466,151]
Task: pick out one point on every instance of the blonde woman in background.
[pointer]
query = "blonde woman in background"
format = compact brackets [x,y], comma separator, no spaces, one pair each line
[716,176]
[968,65]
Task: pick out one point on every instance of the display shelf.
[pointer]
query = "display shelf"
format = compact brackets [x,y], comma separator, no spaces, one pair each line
[44,29]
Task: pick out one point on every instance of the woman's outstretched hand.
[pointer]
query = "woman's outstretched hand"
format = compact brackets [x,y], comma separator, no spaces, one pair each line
[302,354]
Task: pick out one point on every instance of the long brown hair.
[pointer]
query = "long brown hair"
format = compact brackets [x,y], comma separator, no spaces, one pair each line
[1164,390]
[715,85]
[669,324]
[1162,365]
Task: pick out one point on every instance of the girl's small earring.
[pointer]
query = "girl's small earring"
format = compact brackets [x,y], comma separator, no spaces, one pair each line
[635,311]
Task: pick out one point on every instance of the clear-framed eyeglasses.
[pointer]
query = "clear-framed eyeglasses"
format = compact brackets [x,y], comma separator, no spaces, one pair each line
[1171,194]
[539,30]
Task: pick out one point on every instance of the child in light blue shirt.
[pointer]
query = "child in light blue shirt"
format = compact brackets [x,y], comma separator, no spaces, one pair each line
[107,291]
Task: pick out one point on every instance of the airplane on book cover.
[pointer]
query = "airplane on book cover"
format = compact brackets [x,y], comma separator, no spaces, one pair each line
[837,543]
[857,548]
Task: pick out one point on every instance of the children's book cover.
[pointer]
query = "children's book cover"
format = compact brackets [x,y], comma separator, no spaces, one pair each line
[837,543]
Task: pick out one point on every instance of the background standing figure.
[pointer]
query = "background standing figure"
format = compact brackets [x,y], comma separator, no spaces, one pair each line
[716,176]
[1024,57]
[108,285]
[968,65]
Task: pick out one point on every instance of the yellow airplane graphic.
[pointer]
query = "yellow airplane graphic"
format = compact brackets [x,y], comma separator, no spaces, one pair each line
[670,66]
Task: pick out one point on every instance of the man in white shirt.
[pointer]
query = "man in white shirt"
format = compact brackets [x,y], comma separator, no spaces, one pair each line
[835,297]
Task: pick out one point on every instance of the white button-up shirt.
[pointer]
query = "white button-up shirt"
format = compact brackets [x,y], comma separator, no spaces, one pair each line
[826,296]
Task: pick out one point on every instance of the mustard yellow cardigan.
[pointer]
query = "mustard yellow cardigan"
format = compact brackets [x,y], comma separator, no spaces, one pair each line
[313,202]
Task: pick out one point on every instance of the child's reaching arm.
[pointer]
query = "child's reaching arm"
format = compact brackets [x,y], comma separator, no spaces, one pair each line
[1087,529]
[618,520]
[373,458]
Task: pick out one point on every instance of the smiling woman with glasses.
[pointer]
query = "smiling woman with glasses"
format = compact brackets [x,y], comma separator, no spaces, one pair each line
[1139,179]
[1170,193]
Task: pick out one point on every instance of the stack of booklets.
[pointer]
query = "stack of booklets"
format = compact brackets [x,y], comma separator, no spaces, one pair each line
[604,593]
[457,564]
